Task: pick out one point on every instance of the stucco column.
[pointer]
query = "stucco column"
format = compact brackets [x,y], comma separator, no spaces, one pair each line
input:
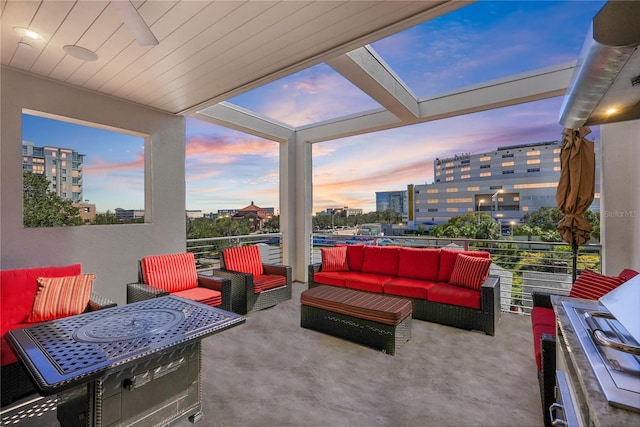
[296,199]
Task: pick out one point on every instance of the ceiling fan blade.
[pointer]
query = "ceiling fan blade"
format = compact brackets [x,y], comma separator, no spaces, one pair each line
[135,23]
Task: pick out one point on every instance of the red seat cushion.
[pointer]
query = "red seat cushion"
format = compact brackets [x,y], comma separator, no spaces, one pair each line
[334,259]
[410,288]
[448,261]
[245,259]
[7,355]
[264,282]
[367,282]
[591,285]
[543,321]
[202,295]
[415,263]
[333,278]
[380,260]
[454,295]
[173,272]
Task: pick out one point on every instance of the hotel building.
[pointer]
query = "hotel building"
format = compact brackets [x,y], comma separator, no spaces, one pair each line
[506,183]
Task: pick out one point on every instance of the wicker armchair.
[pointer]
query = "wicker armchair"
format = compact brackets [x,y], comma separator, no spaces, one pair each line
[176,274]
[255,285]
[16,382]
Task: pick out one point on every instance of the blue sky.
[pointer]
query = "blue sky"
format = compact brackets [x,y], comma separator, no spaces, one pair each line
[483,41]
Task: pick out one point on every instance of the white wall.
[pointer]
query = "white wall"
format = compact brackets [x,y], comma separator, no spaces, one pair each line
[110,251]
[620,196]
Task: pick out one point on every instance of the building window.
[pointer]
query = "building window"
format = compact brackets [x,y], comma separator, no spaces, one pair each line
[452,190]
[465,169]
[556,168]
[485,166]
[432,210]
[473,188]
[467,176]
[506,156]
[449,178]
[433,201]
[485,158]
[533,170]
[507,172]
[533,162]
[536,185]
[508,163]
[452,210]
[533,153]
[432,191]
[556,151]
[484,174]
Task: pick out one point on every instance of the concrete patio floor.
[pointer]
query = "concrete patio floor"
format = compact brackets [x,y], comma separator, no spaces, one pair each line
[271,372]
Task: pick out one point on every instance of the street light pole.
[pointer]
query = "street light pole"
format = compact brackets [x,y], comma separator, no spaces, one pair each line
[479,203]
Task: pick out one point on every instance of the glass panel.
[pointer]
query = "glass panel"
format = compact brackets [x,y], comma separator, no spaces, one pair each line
[312,95]
[486,41]
[77,174]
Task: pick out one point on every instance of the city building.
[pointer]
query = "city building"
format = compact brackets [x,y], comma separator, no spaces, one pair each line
[342,212]
[128,214]
[506,183]
[193,213]
[87,211]
[397,201]
[61,166]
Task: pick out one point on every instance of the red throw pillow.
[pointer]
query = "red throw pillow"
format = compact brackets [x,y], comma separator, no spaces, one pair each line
[59,297]
[334,259]
[470,271]
[591,285]
[448,260]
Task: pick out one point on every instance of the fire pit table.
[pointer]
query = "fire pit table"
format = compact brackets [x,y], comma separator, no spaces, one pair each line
[137,364]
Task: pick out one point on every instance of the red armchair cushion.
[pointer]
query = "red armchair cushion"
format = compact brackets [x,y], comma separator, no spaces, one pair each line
[416,263]
[470,272]
[355,257]
[543,321]
[380,260]
[245,259]
[173,273]
[627,274]
[334,259]
[591,285]
[448,261]
[18,289]
[59,297]
[202,295]
[265,282]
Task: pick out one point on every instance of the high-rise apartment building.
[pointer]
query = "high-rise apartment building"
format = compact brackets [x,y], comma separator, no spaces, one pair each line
[61,166]
[506,183]
[397,201]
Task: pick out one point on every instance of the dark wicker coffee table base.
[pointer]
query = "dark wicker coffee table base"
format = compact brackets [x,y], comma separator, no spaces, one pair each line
[387,338]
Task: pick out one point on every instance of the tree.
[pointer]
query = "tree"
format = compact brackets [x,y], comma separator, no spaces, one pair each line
[44,208]
[471,225]
[105,218]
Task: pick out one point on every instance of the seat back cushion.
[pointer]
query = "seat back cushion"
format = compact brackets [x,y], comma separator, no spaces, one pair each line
[591,285]
[448,261]
[18,289]
[245,259]
[355,257]
[380,260]
[470,271]
[414,263]
[628,273]
[334,259]
[172,273]
[59,297]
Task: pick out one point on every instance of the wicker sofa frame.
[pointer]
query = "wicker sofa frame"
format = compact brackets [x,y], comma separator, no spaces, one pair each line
[243,299]
[485,319]
[16,382]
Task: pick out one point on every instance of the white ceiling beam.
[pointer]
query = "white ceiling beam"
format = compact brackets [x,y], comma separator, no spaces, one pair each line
[235,117]
[365,69]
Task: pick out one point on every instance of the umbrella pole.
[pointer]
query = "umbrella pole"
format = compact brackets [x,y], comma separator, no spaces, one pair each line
[574,247]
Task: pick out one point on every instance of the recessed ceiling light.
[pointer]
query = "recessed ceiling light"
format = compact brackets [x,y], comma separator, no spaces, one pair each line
[25,32]
[80,52]
[611,111]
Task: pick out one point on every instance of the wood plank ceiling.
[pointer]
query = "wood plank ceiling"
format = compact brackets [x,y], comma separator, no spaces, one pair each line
[209,51]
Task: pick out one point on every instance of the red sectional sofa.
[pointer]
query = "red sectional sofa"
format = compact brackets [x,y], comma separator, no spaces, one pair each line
[447,286]
[17,295]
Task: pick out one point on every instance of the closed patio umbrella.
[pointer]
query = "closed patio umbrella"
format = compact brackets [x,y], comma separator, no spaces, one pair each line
[576,187]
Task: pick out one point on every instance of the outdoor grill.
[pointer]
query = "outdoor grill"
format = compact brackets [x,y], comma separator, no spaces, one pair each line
[137,364]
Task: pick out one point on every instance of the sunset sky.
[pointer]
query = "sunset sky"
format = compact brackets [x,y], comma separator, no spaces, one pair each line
[226,169]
